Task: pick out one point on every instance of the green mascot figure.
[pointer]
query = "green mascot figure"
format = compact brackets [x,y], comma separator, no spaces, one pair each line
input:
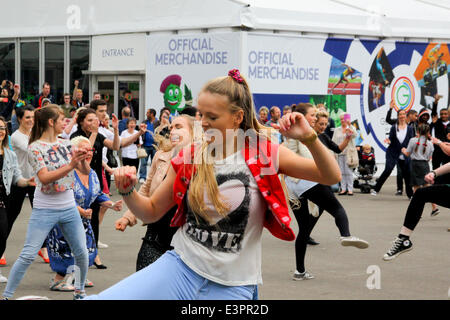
[173,95]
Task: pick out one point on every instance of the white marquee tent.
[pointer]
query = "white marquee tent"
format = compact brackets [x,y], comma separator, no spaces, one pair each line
[426,19]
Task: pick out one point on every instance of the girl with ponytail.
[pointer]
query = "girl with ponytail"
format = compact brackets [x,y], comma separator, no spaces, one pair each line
[420,150]
[227,188]
[53,161]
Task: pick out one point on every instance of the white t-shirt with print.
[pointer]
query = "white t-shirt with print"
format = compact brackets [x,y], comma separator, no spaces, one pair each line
[59,193]
[228,252]
[131,150]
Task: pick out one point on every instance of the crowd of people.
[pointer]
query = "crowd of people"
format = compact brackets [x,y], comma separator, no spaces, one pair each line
[218,174]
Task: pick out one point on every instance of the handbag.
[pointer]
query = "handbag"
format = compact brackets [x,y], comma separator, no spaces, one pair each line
[112,162]
[352,157]
[141,153]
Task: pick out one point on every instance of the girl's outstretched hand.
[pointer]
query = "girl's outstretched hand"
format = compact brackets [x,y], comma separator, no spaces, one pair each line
[294,126]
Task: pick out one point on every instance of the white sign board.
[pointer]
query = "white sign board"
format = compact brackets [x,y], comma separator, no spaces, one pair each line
[125,52]
[187,62]
[285,64]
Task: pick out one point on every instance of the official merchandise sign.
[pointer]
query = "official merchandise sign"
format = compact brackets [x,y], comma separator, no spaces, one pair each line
[354,76]
[179,65]
[285,64]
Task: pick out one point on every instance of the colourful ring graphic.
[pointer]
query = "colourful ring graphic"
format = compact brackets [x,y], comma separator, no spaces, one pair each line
[403,94]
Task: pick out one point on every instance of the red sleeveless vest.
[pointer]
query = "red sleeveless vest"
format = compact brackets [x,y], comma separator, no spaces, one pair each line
[277,217]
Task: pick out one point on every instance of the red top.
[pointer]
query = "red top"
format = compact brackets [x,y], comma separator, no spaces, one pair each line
[261,166]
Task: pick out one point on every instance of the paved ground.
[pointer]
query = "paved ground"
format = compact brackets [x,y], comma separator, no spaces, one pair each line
[341,272]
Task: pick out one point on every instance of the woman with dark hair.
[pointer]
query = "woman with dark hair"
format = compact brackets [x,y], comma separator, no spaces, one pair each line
[399,137]
[319,194]
[53,161]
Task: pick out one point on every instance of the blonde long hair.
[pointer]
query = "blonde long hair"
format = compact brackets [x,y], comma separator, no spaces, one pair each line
[240,98]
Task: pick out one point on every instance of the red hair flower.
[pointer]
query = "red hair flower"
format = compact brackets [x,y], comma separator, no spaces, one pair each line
[236,75]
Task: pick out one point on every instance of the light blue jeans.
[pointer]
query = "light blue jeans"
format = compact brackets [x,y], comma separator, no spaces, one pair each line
[40,224]
[169,278]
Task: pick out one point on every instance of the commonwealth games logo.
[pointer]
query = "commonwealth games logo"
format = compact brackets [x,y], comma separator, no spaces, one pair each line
[403,94]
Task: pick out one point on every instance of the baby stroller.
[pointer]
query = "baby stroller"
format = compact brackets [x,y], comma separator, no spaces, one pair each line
[365,171]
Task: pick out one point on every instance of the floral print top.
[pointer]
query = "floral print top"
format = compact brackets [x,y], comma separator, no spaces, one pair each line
[51,156]
[84,197]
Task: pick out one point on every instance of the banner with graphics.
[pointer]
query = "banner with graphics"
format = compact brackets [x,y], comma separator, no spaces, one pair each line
[356,76]
[179,65]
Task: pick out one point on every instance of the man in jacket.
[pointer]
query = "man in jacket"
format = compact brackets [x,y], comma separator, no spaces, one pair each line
[37,103]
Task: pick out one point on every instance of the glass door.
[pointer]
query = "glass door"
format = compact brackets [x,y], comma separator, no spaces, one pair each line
[121,91]
[129,96]
[105,86]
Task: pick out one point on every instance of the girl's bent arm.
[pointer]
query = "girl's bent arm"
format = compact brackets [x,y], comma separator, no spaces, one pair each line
[46,177]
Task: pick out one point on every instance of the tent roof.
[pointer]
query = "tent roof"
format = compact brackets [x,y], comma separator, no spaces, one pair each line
[380,18]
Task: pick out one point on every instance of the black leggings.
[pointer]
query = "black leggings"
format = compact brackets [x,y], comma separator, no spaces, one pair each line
[16,199]
[325,199]
[3,230]
[438,194]
[95,222]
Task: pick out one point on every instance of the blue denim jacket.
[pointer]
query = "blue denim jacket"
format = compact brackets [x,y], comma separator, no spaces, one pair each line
[11,173]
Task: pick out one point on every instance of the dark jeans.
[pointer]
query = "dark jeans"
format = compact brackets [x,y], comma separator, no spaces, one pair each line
[16,199]
[323,197]
[144,161]
[399,179]
[438,194]
[389,166]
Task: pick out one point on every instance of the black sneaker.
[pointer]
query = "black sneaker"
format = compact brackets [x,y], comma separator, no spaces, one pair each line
[399,246]
[435,212]
[312,242]
[399,193]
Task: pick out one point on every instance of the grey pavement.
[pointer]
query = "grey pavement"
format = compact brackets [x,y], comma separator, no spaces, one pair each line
[342,273]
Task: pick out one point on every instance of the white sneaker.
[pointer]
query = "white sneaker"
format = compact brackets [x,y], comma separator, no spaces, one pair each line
[3,279]
[302,276]
[373,193]
[141,180]
[354,242]
[102,245]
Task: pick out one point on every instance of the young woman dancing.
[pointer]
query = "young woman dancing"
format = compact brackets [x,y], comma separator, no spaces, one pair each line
[53,161]
[222,188]
[319,194]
